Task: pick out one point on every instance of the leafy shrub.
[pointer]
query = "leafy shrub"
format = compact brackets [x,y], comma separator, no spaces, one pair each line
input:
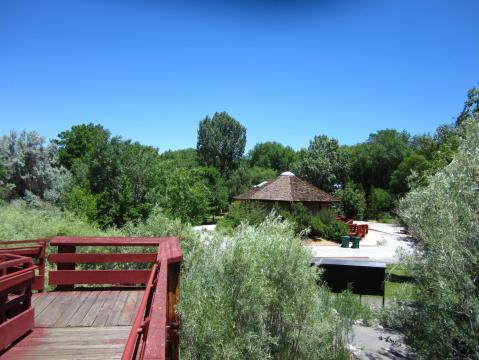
[19,221]
[250,212]
[327,216]
[353,201]
[442,321]
[252,295]
[380,201]
[317,226]
[350,308]
[335,230]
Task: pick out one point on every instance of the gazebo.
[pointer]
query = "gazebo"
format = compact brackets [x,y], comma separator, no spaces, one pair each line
[287,189]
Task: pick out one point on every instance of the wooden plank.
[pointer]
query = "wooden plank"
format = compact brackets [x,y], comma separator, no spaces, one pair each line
[70,343]
[130,308]
[54,310]
[101,258]
[76,300]
[115,313]
[34,241]
[68,277]
[170,250]
[90,298]
[107,309]
[155,347]
[17,278]
[14,328]
[95,309]
[42,301]
[109,241]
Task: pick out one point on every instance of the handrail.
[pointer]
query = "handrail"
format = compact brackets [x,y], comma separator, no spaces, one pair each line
[36,251]
[16,314]
[140,325]
[154,334]
[66,276]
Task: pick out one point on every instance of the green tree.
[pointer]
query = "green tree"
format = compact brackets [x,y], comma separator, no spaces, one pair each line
[117,177]
[184,194]
[221,142]
[353,201]
[187,158]
[373,162]
[409,172]
[323,164]
[379,201]
[244,177]
[79,142]
[272,155]
[471,106]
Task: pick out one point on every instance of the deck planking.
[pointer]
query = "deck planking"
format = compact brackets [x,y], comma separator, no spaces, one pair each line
[86,308]
[79,325]
[84,343]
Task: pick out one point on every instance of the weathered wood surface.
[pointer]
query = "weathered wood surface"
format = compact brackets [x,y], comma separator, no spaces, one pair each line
[79,325]
[96,308]
[85,343]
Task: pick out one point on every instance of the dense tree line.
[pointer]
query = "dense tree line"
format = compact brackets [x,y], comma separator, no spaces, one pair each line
[112,181]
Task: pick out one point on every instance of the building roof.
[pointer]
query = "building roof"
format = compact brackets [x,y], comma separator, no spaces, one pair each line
[287,187]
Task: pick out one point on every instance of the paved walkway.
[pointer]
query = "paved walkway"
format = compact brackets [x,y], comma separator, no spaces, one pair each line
[376,343]
[382,243]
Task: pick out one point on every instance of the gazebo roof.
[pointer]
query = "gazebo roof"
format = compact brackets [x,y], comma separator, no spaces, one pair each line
[287,187]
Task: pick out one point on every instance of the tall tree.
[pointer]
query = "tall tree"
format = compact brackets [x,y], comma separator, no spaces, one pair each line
[221,142]
[323,163]
[374,161]
[272,155]
[471,106]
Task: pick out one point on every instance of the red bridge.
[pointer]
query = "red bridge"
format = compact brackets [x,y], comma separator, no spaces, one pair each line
[94,312]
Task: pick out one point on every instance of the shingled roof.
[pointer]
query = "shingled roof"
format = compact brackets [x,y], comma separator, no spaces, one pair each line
[287,187]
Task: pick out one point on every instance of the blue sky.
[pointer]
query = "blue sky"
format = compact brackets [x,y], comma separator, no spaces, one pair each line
[150,70]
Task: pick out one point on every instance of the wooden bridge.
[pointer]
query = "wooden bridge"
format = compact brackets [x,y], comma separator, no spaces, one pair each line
[92,313]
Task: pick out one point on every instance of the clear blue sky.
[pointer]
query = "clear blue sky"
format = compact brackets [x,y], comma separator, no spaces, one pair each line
[288,70]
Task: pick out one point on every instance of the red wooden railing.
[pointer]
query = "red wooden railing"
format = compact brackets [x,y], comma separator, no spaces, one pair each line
[154,333]
[17,274]
[34,249]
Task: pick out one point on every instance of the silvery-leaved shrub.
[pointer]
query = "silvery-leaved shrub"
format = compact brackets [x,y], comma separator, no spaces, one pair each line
[252,295]
[442,321]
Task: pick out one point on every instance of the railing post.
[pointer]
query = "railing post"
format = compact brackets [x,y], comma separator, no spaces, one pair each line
[173,320]
[65,266]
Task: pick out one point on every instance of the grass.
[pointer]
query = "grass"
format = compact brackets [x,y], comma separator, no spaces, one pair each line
[399,283]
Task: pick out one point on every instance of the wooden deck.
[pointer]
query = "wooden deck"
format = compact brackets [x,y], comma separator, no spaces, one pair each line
[79,325]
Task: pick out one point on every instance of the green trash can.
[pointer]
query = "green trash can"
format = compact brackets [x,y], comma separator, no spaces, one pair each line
[355,240]
[345,241]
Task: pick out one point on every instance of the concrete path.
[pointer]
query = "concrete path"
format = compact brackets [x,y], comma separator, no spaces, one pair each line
[382,243]
[376,343]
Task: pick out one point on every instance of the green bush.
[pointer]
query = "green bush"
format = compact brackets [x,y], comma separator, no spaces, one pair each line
[442,320]
[353,201]
[327,216]
[380,202]
[317,226]
[335,230]
[252,295]
[250,212]
[19,221]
